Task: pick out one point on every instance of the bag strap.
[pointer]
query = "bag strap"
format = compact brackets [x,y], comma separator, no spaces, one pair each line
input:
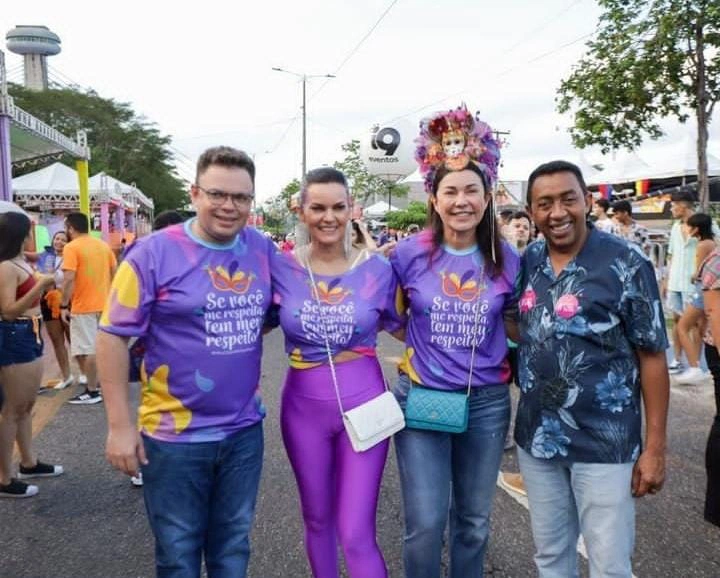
[331,362]
[474,334]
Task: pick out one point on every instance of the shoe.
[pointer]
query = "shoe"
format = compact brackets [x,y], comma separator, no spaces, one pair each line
[674,367]
[513,483]
[17,489]
[82,379]
[65,383]
[137,481]
[39,470]
[87,397]
[691,376]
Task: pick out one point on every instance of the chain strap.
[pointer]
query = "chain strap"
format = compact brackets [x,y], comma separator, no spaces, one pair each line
[474,333]
[316,295]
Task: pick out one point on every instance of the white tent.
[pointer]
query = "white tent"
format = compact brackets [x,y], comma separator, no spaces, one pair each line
[679,159]
[415,177]
[626,168]
[56,178]
[379,209]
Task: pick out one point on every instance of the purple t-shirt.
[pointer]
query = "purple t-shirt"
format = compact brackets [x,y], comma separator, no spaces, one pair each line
[443,295]
[354,306]
[200,308]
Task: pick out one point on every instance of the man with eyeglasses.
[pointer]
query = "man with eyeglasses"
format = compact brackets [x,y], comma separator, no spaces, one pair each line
[198,293]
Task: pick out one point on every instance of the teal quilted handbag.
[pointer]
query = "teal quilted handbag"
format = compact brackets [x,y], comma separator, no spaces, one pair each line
[436,410]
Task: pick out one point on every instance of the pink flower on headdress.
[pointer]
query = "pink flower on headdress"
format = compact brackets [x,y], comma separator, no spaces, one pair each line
[528,300]
[567,306]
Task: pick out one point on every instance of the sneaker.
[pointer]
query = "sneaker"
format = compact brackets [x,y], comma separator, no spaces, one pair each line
[137,481]
[64,383]
[513,483]
[17,489]
[691,376]
[39,470]
[87,397]
[675,366]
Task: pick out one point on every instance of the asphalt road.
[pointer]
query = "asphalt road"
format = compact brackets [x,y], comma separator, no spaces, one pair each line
[90,522]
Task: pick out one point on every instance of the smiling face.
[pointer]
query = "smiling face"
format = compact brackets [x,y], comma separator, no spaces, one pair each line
[460,202]
[59,241]
[559,210]
[326,213]
[220,222]
[520,230]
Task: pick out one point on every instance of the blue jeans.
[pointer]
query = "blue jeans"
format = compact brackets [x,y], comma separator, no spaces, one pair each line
[457,472]
[569,498]
[200,499]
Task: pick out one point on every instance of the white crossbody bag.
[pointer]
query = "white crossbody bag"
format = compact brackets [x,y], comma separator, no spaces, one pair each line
[373,421]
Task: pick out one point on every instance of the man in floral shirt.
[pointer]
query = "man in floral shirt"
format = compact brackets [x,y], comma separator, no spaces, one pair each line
[592,346]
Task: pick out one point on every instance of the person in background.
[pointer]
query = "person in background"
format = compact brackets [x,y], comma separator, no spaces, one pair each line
[681,268]
[709,276]
[167,218]
[459,268]
[519,230]
[700,227]
[50,263]
[591,352]
[21,349]
[361,239]
[628,228]
[603,222]
[88,268]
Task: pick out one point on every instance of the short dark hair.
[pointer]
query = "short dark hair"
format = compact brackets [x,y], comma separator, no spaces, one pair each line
[550,169]
[520,215]
[505,215]
[323,175]
[622,207]
[165,219]
[78,221]
[14,229]
[704,225]
[604,203]
[683,196]
[225,156]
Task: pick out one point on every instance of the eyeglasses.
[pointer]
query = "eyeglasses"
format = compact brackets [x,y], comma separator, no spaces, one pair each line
[218,198]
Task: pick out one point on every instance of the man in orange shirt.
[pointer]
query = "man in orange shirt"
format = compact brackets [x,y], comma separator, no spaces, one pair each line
[88,266]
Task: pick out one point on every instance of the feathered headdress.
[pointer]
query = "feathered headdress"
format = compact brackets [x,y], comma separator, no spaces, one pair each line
[456,138]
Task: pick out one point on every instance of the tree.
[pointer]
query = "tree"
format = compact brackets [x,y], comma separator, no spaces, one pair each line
[127,146]
[649,59]
[363,185]
[277,209]
[414,214]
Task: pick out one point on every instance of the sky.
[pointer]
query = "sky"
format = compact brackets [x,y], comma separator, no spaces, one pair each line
[203,72]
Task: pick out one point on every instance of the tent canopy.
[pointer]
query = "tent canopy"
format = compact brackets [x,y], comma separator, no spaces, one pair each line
[379,209]
[56,177]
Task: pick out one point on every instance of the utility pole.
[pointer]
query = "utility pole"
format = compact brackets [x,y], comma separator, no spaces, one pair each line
[304,78]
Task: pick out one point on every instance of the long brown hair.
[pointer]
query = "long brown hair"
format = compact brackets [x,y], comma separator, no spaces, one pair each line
[486,232]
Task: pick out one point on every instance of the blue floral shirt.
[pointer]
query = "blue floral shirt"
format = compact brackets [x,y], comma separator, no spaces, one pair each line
[578,372]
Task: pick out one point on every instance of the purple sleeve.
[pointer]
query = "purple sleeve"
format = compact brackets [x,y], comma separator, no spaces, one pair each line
[132,294]
[393,315]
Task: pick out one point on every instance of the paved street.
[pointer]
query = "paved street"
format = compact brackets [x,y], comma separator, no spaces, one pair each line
[91,523]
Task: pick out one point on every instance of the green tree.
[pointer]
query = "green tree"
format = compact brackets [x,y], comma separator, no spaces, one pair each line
[363,185]
[276,209]
[414,214]
[123,144]
[649,59]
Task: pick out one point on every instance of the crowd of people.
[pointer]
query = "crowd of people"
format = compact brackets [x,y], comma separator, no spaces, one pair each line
[568,309]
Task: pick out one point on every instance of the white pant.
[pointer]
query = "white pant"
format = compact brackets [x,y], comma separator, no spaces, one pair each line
[568,498]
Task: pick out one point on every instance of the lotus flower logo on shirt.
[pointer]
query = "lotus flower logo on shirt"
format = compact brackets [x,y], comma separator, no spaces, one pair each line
[528,300]
[332,293]
[464,288]
[230,280]
[567,306]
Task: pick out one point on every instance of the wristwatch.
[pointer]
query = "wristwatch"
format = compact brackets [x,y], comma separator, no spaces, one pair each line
[64,306]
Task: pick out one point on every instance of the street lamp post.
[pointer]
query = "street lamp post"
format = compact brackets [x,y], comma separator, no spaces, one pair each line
[304,78]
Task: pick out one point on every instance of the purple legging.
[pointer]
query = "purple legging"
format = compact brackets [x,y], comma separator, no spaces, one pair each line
[338,487]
